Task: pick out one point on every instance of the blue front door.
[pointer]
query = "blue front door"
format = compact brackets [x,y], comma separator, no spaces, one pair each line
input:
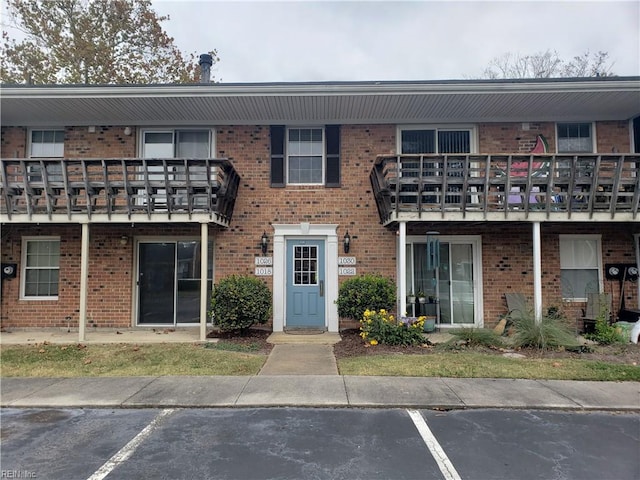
[305,284]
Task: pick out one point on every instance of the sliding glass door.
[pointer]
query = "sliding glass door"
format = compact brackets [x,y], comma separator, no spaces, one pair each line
[169,274]
[451,288]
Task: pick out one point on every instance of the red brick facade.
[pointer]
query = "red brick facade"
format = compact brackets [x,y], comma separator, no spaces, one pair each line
[506,247]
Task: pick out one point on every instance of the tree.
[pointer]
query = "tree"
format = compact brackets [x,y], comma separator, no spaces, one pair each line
[91,41]
[548,64]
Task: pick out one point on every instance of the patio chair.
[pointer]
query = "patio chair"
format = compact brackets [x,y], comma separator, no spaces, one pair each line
[516,305]
[597,303]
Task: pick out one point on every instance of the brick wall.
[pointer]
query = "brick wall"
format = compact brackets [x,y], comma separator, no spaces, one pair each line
[506,247]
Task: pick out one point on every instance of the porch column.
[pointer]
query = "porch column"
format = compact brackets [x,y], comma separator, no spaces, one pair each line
[401,267]
[537,273]
[84,281]
[204,261]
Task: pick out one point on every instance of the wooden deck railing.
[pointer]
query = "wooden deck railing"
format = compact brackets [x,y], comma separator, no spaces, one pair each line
[480,185]
[130,186]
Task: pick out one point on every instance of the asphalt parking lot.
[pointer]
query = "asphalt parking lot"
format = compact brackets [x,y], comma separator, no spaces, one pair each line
[318,443]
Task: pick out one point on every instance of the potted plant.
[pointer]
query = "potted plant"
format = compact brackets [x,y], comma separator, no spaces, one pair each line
[422,298]
[411,298]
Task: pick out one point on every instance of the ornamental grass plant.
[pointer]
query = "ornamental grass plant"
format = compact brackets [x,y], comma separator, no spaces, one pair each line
[378,326]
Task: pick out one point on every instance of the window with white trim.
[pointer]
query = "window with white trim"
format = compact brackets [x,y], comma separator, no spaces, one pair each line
[184,143]
[46,143]
[580,266]
[439,140]
[575,138]
[41,268]
[305,155]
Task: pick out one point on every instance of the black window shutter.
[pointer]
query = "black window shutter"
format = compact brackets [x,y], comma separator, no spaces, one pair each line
[332,147]
[277,156]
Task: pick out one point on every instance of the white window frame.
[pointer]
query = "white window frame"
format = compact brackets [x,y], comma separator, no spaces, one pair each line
[472,129]
[173,131]
[23,273]
[598,239]
[43,129]
[324,152]
[594,147]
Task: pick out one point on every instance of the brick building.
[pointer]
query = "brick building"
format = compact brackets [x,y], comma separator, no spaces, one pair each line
[465,190]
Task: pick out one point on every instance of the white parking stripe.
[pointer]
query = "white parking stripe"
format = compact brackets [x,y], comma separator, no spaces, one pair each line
[126,451]
[444,464]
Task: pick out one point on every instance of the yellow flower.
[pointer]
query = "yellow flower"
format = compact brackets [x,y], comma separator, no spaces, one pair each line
[373,342]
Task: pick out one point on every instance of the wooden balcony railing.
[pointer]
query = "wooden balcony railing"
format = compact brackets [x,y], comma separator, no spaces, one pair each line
[130,188]
[506,186]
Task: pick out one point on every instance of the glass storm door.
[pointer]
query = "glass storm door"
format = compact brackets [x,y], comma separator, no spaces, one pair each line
[169,282]
[156,283]
[305,284]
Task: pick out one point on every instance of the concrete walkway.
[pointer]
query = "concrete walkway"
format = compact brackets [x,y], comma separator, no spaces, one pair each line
[317,391]
[299,354]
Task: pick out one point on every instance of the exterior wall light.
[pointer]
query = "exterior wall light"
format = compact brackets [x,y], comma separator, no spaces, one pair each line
[264,242]
[346,242]
[123,240]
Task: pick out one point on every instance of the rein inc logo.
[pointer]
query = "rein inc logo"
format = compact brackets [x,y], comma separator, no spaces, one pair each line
[17,474]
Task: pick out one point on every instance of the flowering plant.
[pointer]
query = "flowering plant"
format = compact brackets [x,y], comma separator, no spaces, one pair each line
[381,327]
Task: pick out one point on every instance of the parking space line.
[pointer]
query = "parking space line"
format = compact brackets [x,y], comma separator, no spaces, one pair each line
[444,464]
[126,451]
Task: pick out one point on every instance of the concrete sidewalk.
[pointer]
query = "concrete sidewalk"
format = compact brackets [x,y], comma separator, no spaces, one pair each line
[317,391]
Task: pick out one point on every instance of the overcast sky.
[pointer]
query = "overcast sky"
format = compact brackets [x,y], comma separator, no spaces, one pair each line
[268,41]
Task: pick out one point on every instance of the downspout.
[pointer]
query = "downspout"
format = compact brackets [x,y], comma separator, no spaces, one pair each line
[84,281]
[537,273]
[204,252]
[402,267]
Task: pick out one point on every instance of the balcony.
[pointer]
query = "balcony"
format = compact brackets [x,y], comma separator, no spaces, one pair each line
[506,187]
[104,190]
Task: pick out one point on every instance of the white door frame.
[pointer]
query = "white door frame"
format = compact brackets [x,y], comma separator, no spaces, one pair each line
[326,232]
[476,241]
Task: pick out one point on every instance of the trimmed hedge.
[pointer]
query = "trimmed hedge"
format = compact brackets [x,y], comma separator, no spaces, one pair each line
[365,292]
[238,302]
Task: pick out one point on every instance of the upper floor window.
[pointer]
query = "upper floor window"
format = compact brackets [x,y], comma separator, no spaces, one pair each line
[46,143]
[305,153]
[575,138]
[435,140]
[41,268]
[186,143]
[305,156]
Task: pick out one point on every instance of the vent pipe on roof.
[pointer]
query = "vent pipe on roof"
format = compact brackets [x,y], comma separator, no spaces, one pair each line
[206,61]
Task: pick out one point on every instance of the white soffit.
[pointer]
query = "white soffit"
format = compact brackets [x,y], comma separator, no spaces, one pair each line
[611,98]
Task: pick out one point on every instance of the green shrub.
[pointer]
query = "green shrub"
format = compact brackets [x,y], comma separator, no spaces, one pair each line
[606,334]
[551,332]
[475,337]
[380,327]
[238,302]
[366,292]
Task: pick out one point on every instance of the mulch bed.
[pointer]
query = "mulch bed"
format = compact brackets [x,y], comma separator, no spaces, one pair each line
[352,345]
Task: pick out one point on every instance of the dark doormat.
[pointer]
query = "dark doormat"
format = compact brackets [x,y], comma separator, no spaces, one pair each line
[304,331]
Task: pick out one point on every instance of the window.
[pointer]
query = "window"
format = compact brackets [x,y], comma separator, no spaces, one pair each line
[46,143]
[305,152]
[435,140]
[177,144]
[580,266]
[305,156]
[41,268]
[575,138]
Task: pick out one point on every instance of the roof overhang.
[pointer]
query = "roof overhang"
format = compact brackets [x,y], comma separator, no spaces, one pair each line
[607,98]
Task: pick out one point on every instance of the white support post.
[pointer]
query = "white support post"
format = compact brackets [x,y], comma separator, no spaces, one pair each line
[402,267]
[204,261]
[84,281]
[537,273]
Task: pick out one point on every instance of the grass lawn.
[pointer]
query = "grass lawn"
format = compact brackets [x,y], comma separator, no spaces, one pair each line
[479,365]
[128,360]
